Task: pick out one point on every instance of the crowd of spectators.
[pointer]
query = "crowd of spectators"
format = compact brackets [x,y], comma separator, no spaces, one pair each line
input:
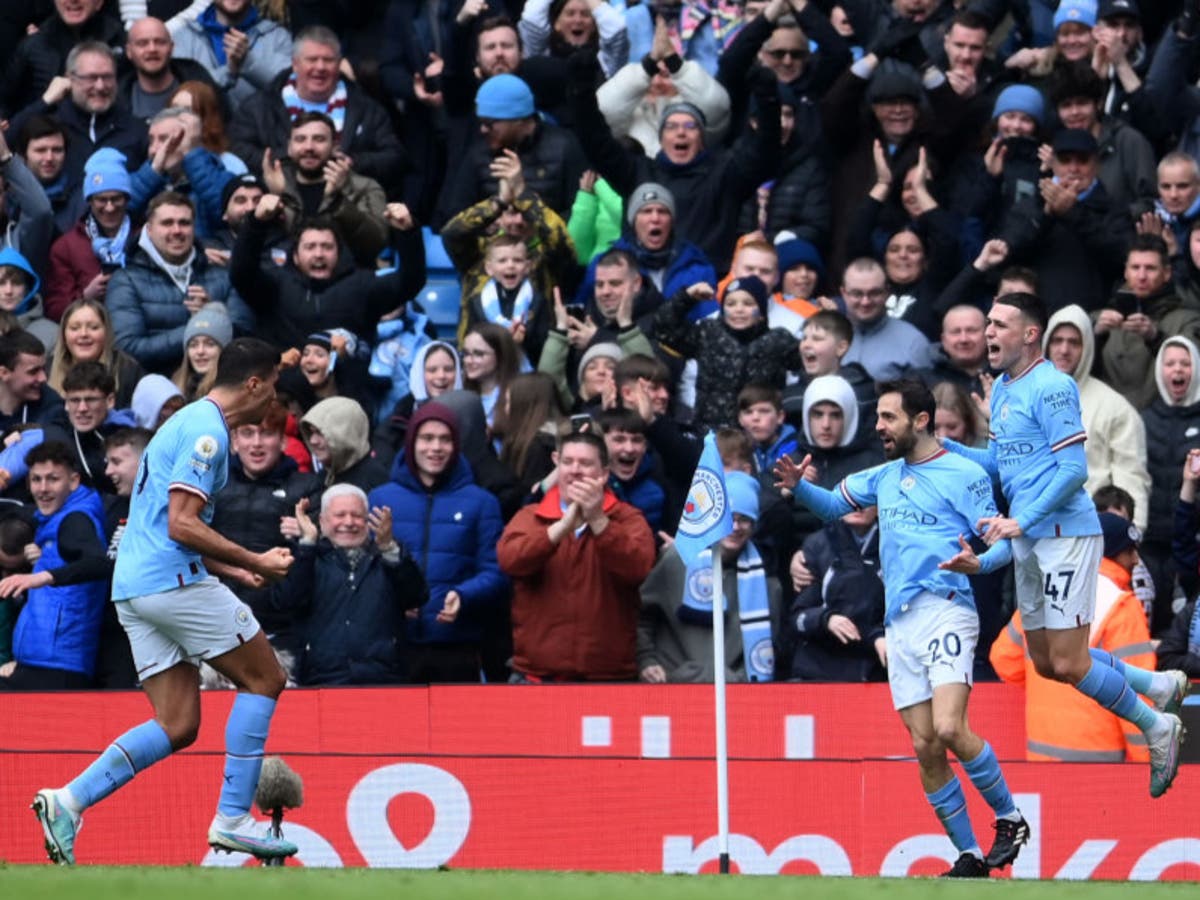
[665,218]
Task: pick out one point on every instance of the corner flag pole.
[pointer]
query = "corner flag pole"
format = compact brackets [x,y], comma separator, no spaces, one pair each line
[705,520]
[718,614]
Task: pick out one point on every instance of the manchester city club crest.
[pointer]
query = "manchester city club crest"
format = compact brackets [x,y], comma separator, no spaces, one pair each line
[700,585]
[908,482]
[705,504]
[1003,412]
[762,655]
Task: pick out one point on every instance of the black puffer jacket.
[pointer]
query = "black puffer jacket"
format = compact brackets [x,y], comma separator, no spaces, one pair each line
[248,511]
[352,614]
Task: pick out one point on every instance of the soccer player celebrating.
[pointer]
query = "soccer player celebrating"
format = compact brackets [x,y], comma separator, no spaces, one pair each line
[927,500]
[1036,451]
[176,613]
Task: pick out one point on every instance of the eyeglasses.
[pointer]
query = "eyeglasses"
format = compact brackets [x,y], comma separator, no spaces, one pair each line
[777,55]
[876,294]
[115,202]
[98,78]
[681,125]
[87,400]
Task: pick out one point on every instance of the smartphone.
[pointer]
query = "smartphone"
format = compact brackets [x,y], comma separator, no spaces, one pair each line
[576,311]
[581,422]
[1195,462]
[1024,149]
[1126,303]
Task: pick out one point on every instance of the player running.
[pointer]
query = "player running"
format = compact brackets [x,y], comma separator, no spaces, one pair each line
[927,499]
[177,614]
[1036,451]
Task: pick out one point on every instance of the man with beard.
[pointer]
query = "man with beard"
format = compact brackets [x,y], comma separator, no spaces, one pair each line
[164,282]
[928,499]
[1143,311]
[146,88]
[1036,453]
[316,179]
[551,157]
[714,180]
[362,128]
[318,287]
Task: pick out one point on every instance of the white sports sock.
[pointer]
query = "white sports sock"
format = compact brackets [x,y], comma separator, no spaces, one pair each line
[222,822]
[67,799]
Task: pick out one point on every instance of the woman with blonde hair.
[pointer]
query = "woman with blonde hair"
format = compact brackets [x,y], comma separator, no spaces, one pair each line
[85,334]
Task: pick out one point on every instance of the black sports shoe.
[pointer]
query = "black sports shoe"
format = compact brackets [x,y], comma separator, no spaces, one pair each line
[1009,838]
[967,866]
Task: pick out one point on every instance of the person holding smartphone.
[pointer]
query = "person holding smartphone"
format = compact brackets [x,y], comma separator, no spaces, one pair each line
[1142,312]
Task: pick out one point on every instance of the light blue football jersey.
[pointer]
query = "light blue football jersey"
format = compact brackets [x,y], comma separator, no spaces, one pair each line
[191,453]
[1036,422]
[923,508]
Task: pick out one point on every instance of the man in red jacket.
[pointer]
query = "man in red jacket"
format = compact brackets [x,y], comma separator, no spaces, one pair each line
[576,561]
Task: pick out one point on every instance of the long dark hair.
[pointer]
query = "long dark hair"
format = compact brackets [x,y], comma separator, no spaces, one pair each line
[532,404]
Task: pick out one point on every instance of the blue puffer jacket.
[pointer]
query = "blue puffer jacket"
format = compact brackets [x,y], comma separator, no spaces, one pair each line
[147,311]
[452,533]
[59,627]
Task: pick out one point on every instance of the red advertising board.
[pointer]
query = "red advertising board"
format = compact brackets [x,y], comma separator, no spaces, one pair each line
[601,778]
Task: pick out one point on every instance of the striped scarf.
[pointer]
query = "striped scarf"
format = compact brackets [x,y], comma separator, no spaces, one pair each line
[335,108]
[754,613]
[490,300]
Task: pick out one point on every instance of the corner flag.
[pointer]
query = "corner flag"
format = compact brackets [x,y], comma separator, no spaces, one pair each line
[706,514]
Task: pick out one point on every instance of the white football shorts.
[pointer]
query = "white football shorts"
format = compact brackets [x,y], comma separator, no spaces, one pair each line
[930,644]
[1056,580]
[187,624]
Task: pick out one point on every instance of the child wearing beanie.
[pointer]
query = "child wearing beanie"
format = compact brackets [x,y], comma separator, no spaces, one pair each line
[731,351]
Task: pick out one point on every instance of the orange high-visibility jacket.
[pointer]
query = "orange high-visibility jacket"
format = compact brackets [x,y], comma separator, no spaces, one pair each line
[1062,724]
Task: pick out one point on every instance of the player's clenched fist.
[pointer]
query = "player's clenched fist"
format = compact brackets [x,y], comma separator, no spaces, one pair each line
[273,564]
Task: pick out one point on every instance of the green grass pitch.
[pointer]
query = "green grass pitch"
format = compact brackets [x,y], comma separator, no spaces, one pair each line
[191,883]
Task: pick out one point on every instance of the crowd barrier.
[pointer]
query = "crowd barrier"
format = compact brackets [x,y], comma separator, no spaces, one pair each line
[612,777]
